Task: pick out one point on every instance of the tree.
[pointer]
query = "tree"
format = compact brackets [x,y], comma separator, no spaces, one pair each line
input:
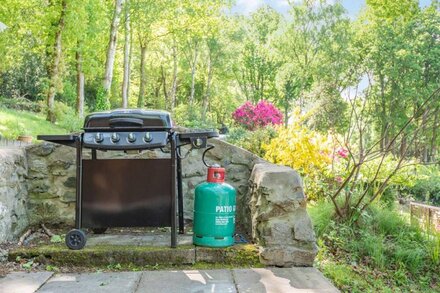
[110,60]
[257,68]
[127,57]
[146,14]
[54,67]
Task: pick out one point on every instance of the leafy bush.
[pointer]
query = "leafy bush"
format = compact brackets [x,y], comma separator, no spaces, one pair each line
[191,117]
[11,129]
[27,80]
[21,104]
[304,150]
[65,116]
[426,185]
[382,248]
[252,117]
[252,141]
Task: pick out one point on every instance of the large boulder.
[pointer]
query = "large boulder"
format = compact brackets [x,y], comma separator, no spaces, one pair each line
[280,223]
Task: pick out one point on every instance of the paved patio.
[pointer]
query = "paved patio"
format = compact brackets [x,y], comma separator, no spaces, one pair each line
[277,280]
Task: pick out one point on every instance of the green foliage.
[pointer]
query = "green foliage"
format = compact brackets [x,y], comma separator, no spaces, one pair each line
[56,239]
[27,80]
[28,265]
[304,150]
[101,101]
[187,116]
[11,129]
[252,141]
[52,268]
[426,185]
[381,249]
[67,117]
[22,104]
[14,123]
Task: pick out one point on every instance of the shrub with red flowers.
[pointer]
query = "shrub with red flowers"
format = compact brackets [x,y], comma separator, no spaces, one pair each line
[254,116]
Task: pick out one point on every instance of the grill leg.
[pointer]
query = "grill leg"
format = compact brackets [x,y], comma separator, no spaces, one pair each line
[180,195]
[78,210]
[173,192]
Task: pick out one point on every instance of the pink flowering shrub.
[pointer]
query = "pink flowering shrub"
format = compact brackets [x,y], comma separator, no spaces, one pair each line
[342,152]
[260,115]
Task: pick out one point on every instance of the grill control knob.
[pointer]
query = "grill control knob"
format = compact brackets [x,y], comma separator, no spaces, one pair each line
[148,137]
[115,137]
[99,137]
[131,137]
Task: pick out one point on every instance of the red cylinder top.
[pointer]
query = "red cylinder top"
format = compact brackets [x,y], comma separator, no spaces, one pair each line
[216,174]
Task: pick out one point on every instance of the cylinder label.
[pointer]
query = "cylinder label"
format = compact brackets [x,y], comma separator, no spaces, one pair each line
[223,220]
[225,209]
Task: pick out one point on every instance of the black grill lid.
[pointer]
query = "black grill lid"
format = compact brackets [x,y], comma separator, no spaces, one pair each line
[128,118]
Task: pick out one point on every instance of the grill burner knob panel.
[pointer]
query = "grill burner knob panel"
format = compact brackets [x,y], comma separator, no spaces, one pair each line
[131,137]
[99,137]
[135,140]
[115,137]
[148,137]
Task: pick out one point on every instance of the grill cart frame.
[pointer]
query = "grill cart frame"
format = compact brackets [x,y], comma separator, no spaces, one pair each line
[128,192]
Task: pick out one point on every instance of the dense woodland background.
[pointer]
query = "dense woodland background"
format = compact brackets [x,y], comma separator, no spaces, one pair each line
[200,61]
[351,103]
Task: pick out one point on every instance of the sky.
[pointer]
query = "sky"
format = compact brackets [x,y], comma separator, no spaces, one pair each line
[248,6]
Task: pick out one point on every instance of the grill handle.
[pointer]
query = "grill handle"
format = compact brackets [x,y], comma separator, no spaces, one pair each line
[114,122]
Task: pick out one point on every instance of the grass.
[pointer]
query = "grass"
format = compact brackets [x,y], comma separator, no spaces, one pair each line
[383,252]
[14,123]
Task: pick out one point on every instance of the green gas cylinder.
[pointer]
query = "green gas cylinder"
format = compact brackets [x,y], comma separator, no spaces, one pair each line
[214,210]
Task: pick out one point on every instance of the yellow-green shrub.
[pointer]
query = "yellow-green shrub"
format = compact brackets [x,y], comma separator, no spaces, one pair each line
[304,150]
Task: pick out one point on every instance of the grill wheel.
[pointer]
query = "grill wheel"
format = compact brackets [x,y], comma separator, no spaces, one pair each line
[76,239]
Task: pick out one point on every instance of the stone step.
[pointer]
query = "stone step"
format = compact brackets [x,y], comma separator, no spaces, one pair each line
[242,255]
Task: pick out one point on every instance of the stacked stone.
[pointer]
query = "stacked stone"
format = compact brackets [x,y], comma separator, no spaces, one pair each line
[271,205]
[280,223]
[51,183]
[13,194]
[238,164]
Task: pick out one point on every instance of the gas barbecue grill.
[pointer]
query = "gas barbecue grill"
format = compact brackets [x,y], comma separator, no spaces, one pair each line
[128,192]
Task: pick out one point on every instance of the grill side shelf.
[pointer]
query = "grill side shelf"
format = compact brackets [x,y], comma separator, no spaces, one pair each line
[63,139]
[196,139]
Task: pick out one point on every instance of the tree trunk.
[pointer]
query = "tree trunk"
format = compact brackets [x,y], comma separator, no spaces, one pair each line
[193,75]
[157,89]
[435,126]
[208,88]
[54,69]
[141,98]
[174,84]
[111,51]
[79,85]
[384,124]
[164,84]
[424,155]
[127,46]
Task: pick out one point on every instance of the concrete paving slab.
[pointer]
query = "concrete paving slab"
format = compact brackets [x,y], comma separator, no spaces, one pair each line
[187,281]
[125,282]
[157,239]
[281,280]
[23,282]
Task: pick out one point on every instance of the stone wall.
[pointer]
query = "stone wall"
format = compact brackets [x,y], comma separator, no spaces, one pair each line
[51,183]
[271,206]
[13,193]
[52,178]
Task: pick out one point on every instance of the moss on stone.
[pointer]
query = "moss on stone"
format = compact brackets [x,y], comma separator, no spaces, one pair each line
[141,257]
